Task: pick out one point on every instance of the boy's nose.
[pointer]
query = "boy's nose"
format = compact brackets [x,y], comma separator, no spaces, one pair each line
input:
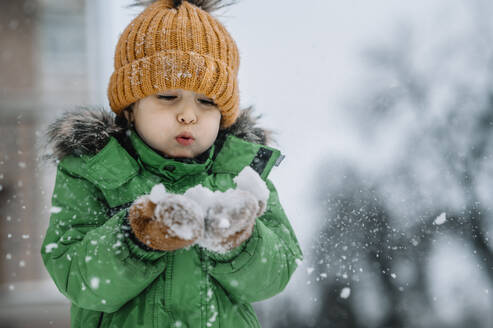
[187,116]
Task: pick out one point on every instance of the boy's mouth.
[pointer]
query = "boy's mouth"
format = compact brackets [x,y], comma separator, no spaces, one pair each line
[185,139]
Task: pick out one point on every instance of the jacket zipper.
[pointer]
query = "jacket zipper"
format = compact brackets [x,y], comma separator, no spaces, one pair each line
[205,270]
[167,284]
[100,320]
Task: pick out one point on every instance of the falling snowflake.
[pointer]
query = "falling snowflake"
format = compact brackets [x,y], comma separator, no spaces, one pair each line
[49,248]
[55,209]
[345,292]
[440,219]
[95,283]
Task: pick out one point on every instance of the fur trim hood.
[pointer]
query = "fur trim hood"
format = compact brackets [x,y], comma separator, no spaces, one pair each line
[85,131]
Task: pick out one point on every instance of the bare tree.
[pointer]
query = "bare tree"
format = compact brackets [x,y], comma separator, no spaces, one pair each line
[438,181]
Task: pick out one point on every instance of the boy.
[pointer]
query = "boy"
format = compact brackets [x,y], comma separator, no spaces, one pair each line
[164,216]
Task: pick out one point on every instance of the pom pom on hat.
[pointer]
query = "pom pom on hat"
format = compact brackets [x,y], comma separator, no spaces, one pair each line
[206,5]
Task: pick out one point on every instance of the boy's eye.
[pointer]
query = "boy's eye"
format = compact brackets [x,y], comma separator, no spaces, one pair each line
[204,101]
[207,102]
[166,97]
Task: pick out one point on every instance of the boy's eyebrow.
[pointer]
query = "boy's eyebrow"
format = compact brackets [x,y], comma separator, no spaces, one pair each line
[174,91]
[205,97]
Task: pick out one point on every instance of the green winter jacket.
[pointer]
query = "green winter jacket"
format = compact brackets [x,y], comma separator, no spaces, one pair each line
[113,280]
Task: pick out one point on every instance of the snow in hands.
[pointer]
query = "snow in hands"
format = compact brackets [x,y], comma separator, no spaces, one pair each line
[231,212]
[182,215]
[248,181]
[220,214]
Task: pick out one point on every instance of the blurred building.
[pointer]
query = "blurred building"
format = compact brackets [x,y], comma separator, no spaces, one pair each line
[44,67]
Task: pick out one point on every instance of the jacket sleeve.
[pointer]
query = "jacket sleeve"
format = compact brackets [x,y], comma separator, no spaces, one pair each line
[90,256]
[262,266]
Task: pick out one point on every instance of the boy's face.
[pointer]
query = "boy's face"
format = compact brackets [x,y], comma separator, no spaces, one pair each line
[160,120]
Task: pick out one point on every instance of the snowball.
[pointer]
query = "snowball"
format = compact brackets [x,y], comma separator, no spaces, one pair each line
[345,292]
[440,219]
[158,192]
[248,179]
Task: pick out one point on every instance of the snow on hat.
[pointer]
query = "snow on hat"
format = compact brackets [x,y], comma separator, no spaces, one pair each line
[177,44]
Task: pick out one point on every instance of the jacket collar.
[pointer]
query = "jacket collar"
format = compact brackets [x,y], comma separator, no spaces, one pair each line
[113,167]
[172,169]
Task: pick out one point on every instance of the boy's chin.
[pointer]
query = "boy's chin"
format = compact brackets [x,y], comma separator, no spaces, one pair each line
[178,155]
[199,154]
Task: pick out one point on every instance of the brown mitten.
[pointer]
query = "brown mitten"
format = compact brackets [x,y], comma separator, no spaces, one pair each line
[229,220]
[168,222]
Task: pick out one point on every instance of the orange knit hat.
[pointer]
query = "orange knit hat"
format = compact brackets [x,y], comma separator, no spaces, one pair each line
[177,44]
